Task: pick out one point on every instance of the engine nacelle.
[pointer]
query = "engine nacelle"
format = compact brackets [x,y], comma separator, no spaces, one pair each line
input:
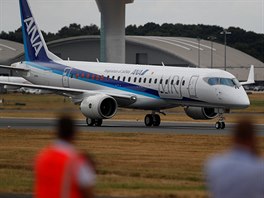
[200,113]
[99,107]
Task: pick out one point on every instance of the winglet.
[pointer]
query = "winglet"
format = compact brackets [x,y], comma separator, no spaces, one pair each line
[251,78]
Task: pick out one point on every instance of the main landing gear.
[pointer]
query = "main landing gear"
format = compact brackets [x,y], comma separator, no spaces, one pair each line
[94,122]
[152,120]
[221,123]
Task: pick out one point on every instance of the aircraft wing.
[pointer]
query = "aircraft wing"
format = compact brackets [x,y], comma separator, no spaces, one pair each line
[77,94]
[13,68]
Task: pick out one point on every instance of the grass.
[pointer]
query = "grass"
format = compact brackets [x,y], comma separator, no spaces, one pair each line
[129,164]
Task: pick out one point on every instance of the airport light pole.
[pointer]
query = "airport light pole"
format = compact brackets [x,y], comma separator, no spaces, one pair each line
[225,32]
[198,39]
[211,38]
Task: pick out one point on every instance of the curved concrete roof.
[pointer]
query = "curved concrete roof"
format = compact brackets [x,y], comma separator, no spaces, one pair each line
[9,50]
[181,49]
[187,49]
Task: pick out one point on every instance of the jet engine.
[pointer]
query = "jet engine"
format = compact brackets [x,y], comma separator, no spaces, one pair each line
[200,113]
[99,107]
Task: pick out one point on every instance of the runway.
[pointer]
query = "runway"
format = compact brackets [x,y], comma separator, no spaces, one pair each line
[124,126]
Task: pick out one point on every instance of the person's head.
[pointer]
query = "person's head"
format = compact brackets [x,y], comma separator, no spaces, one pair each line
[66,130]
[244,135]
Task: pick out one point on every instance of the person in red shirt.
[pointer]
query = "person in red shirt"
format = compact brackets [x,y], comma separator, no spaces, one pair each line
[60,171]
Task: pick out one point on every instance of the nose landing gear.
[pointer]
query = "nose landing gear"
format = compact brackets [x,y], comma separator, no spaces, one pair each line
[221,123]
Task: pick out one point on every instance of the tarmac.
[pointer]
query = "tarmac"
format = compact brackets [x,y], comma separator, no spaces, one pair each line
[124,126]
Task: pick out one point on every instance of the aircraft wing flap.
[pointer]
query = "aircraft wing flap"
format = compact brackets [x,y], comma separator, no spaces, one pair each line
[13,68]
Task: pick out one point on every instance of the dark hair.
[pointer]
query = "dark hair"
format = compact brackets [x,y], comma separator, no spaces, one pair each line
[244,131]
[66,129]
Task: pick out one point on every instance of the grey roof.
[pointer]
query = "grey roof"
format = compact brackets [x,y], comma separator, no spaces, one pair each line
[187,49]
[9,50]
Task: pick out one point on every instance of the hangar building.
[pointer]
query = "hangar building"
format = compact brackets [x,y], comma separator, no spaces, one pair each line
[172,51]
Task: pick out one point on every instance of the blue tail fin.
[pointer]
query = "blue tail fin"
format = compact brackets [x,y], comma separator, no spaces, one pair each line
[34,43]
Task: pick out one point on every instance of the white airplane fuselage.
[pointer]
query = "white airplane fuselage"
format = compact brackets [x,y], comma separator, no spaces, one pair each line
[155,87]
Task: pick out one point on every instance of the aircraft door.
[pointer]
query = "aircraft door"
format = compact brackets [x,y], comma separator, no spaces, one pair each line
[192,86]
[65,77]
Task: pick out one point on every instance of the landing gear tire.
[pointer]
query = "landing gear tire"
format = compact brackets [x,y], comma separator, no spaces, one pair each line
[148,120]
[219,125]
[90,122]
[98,122]
[222,125]
[156,120]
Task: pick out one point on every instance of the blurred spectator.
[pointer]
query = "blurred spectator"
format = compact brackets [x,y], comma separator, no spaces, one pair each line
[60,171]
[239,173]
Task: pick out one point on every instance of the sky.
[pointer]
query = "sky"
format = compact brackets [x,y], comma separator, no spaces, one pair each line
[52,15]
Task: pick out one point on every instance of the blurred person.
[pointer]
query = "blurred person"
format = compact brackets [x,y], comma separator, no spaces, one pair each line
[60,171]
[238,173]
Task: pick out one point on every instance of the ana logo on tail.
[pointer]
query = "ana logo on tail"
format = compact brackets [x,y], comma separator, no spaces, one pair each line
[33,31]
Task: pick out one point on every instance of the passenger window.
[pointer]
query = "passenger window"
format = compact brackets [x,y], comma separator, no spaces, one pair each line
[87,75]
[139,80]
[155,81]
[150,80]
[177,83]
[108,77]
[166,82]
[113,77]
[160,81]
[129,78]
[124,79]
[118,78]
[183,82]
[144,80]
[135,79]
[172,82]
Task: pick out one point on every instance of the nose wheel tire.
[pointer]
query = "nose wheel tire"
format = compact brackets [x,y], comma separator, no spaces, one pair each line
[219,125]
[152,120]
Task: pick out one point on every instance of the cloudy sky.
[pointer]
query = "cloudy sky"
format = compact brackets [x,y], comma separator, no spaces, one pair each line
[54,14]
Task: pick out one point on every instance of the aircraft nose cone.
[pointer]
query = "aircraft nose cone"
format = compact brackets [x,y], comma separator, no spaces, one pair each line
[243,100]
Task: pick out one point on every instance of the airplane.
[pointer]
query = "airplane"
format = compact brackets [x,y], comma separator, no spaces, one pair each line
[100,88]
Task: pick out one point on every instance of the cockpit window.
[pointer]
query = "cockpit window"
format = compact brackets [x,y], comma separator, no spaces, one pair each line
[227,81]
[224,81]
[213,81]
[237,83]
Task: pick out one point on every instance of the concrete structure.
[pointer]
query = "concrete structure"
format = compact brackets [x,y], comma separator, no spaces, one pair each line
[8,51]
[172,51]
[112,30]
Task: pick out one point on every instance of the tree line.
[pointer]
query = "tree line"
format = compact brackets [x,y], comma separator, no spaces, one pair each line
[246,41]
